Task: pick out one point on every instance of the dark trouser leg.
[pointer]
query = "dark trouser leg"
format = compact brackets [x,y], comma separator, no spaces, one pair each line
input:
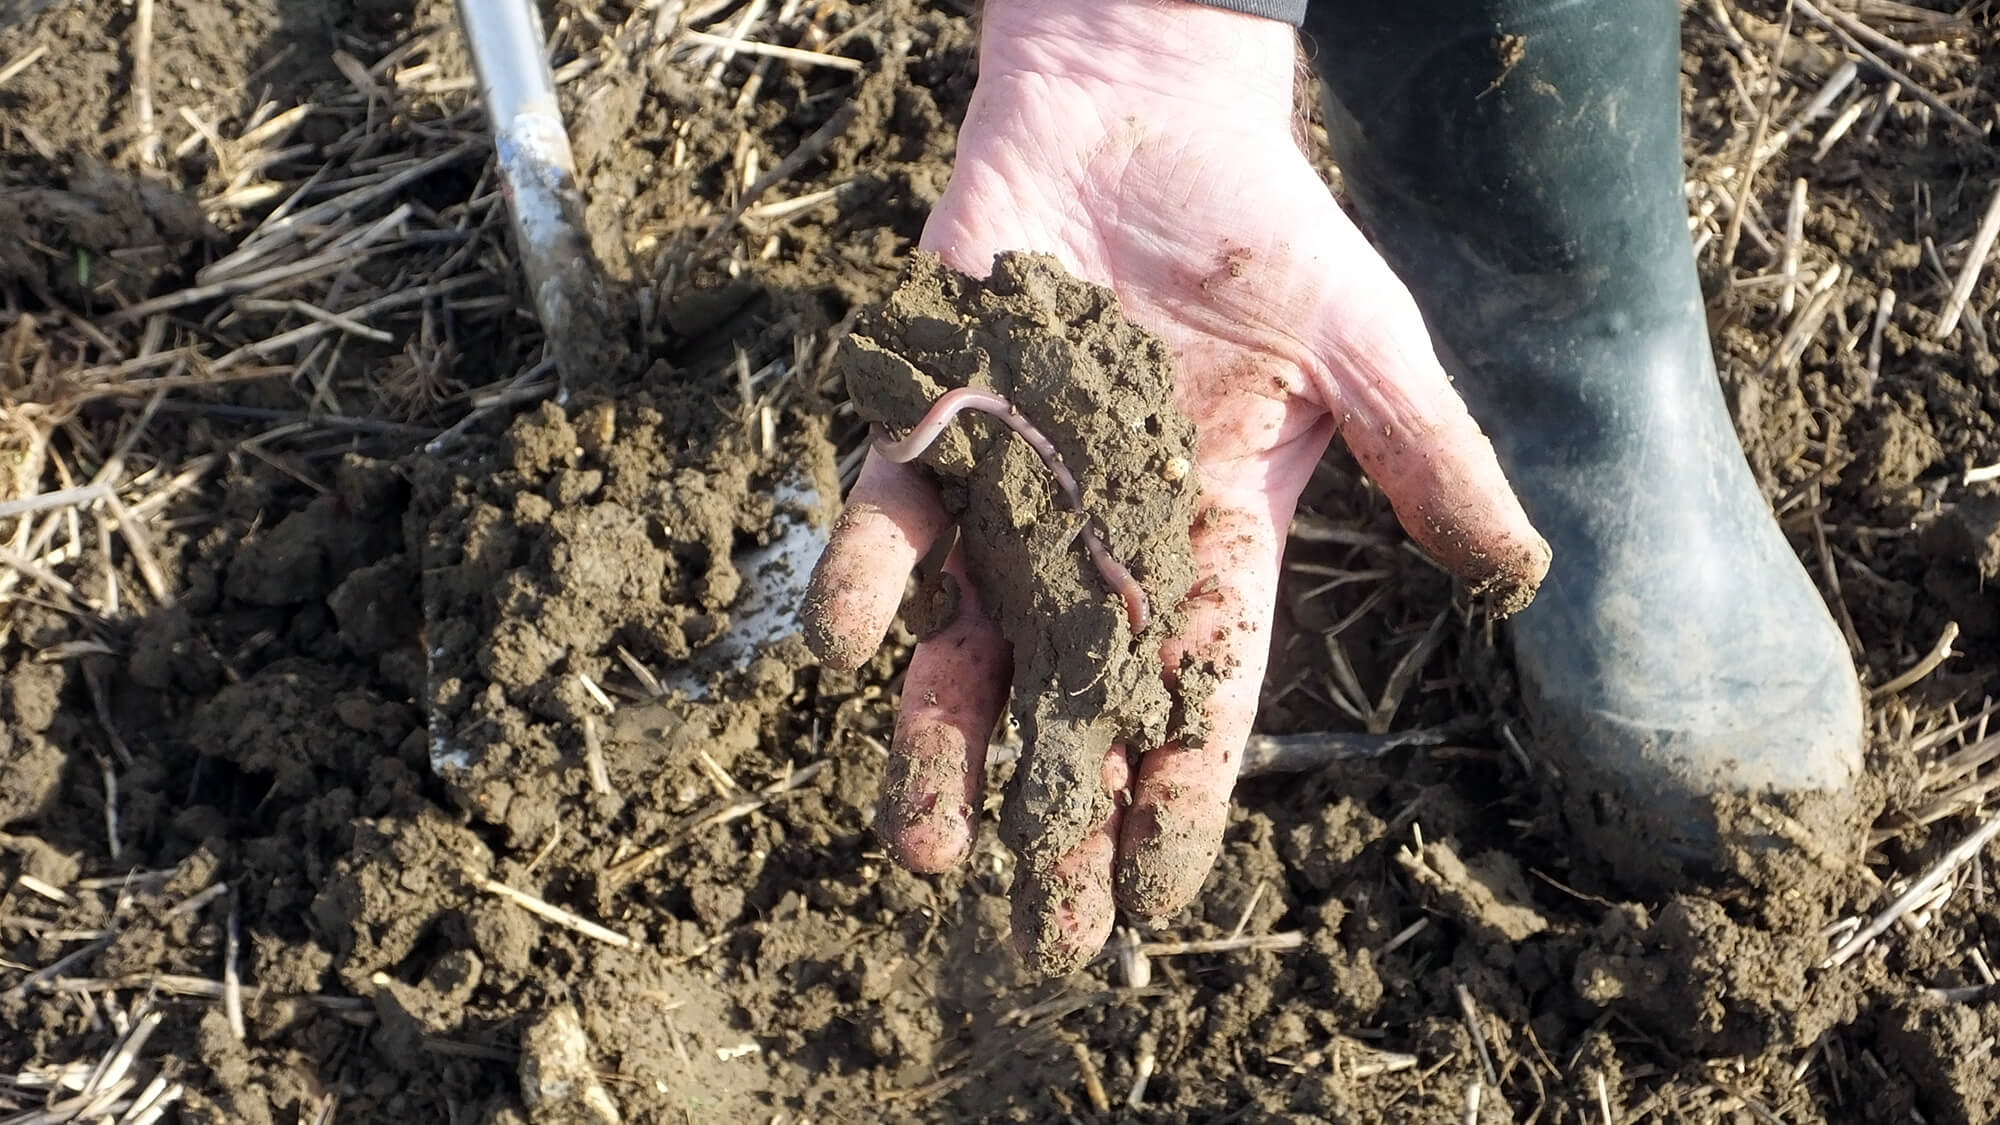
[1519,163]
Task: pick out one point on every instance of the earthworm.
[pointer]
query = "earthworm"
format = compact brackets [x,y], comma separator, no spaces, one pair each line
[950,405]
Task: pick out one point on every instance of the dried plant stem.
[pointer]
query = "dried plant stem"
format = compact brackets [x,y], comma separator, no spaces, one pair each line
[232,985]
[726,46]
[1915,89]
[772,50]
[1142,1072]
[142,82]
[1821,101]
[722,812]
[81,494]
[33,56]
[152,1102]
[1402,937]
[1746,181]
[385,303]
[1840,128]
[1381,1062]
[54,894]
[1805,327]
[40,978]
[79,1107]
[198,900]
[1938,654]
[1968,272]
[785,169]
[1093,1085]
[1885,303]
[285,227]
[1795,223]
[1405,674]
[555,914]
[110,807]
[1470,1011]
[1261,943]
[303,270]
[1919,892]
[593,757]
[204,988]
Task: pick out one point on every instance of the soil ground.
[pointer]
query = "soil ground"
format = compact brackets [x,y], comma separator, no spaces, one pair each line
[286,700]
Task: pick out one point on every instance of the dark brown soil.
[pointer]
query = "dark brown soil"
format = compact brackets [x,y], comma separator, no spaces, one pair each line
[1086,675]
[345,613]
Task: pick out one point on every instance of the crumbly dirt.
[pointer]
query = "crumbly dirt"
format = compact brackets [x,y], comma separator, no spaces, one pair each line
[1086,674]
[270,727]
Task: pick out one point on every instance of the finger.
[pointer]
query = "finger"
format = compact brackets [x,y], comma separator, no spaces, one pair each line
[891,519]
[1180,805]
[1407,426]
[952,697]
[1063,913]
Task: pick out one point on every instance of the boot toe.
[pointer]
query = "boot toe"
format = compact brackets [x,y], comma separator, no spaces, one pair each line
[1659,757]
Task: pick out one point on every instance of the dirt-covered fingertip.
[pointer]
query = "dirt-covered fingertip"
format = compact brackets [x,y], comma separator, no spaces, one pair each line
[1060,920]
[1513,578]
[1504,567]
[929,786]
[1162,865]
[892,518]
[833,648]
[1450,495]
[929,841]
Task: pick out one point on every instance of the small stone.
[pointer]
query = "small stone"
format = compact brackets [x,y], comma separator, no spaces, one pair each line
[558,1082]
[1972,532]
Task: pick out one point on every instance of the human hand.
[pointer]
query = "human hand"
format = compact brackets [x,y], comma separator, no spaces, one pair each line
[1150,148]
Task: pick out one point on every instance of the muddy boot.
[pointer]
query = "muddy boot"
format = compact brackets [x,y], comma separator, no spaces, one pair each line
[1519,163]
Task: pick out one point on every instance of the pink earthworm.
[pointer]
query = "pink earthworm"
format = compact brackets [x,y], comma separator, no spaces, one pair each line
[950,405]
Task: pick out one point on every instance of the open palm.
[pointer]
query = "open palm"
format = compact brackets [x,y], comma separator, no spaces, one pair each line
[1216,234]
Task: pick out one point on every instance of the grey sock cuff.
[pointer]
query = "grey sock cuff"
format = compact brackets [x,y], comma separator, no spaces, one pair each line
[1290,11]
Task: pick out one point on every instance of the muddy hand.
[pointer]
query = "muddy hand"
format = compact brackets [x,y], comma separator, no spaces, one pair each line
[1150,148]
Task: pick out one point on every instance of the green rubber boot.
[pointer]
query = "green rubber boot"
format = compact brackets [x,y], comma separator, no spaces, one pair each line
[1519,164]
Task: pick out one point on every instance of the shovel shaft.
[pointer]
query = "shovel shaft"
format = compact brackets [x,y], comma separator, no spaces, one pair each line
[538,175]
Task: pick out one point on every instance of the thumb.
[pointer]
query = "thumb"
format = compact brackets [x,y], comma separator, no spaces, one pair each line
[1400,417]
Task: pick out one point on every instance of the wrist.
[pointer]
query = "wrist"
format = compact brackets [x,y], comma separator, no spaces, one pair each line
[1227,60]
